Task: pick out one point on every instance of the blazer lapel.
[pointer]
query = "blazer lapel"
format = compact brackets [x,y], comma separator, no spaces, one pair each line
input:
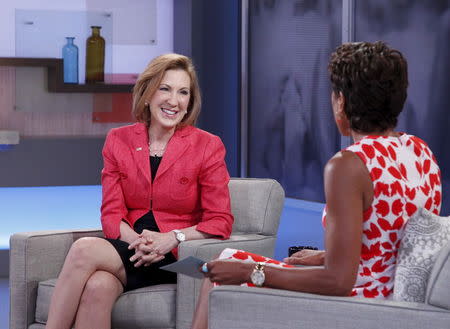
[140,150]
[176,147]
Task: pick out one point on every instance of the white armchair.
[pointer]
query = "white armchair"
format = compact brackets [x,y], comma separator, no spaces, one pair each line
[36,259]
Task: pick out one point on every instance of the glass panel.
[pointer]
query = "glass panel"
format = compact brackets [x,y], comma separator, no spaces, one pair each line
[420,30]
[42,33]
[291,128]
[135,21]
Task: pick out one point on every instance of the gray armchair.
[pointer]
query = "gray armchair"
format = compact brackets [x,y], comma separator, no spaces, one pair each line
[234,307]
[36,259]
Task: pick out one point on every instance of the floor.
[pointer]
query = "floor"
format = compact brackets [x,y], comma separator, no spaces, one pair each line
[71,207]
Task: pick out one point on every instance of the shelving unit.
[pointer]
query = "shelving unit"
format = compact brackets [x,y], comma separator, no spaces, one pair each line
[55,76]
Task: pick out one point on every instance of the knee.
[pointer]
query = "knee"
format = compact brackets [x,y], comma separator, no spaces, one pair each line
[101,288]
[80,254]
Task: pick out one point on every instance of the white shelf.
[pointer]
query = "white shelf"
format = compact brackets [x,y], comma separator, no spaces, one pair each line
[9,137]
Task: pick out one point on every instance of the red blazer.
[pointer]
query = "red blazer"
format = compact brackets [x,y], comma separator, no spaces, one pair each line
[190,187]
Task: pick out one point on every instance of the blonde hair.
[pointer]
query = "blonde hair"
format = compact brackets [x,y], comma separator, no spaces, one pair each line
[150,79]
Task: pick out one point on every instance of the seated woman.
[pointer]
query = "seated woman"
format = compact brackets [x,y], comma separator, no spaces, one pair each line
[164,181]
[371,188]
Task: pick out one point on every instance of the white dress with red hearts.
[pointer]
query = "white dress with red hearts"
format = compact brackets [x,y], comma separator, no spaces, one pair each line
[405,176]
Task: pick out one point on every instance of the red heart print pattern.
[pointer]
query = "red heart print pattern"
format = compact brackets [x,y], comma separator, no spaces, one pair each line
[397,207]
[368,150]
[382,208]
[396,188]
[375,173]
[404,177]
[392,153]
[380,148]
[373,232]
[410,193]
[426,166]
[384,224]
[394,172]
[370,293]
[381,161]
[411,208]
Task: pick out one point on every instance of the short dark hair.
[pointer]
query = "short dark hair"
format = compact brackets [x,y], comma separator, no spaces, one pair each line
[373,79]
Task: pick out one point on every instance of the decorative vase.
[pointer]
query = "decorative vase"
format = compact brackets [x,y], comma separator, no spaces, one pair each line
[70,60]
[95,56]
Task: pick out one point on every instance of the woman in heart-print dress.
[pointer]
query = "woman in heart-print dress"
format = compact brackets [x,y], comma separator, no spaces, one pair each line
[372,188]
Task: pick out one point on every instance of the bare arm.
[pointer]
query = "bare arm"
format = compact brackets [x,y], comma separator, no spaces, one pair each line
[347,183]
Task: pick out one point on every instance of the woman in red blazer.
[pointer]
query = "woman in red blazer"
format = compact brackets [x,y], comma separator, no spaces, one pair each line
[164,181]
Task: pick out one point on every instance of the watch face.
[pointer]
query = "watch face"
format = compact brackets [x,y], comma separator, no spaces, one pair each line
[180,236]
[258,278]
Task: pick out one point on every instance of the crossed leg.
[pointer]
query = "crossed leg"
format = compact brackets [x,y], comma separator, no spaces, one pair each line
[97,301]
[93,273]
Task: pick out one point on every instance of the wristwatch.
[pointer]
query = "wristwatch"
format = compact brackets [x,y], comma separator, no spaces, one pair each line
[180,236]
[258,277]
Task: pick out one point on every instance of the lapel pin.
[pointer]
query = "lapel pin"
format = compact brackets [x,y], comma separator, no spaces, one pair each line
[138,148]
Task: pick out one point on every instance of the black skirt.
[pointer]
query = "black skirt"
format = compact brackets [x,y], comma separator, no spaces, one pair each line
[143,276]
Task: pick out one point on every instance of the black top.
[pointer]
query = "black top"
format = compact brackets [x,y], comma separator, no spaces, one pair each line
[148,221]
[154,165]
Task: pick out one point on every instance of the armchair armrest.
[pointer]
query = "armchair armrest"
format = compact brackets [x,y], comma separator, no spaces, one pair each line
[188,288]
[274,308]
[35,257]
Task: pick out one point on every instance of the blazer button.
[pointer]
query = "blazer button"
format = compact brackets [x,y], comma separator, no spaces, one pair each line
[184,180]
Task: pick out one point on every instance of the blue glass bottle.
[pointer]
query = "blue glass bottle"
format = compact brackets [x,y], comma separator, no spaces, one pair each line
[70,58]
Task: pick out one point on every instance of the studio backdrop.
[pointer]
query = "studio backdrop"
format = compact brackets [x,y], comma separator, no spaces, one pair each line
[291,130]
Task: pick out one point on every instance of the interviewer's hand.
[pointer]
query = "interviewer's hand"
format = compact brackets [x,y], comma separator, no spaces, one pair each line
[306,257]
[229,271]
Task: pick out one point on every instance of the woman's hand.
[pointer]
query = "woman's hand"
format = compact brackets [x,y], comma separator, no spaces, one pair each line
[229,271]
[143,255]
[151,247]
[306,257]
[160,243]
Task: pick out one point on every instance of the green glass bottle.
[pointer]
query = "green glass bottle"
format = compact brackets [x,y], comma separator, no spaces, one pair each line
[95,56]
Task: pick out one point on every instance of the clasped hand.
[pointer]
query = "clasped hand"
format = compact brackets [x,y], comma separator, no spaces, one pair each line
[150,247]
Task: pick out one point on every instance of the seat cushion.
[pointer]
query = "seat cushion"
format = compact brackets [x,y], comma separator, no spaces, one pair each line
[149,307]
[438,292]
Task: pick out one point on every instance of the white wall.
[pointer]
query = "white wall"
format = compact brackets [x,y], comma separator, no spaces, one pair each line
[126,58]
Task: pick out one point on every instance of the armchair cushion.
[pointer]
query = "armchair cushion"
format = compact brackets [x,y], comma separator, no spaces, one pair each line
[236,307]
[150,306]
[424,237]
[438,291]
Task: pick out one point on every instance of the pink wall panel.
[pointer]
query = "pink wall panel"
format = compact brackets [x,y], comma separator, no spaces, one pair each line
[54,123]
